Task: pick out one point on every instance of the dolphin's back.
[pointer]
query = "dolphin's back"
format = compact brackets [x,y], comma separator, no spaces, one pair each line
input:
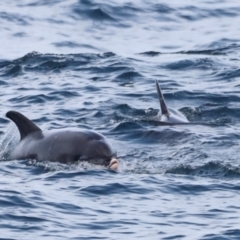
[65,146]
[59,145]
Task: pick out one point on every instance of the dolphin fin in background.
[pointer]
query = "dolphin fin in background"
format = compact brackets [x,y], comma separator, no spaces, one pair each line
[25,126]
[163,106]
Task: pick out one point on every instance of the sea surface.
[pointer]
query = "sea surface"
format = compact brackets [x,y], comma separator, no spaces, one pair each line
[92,64]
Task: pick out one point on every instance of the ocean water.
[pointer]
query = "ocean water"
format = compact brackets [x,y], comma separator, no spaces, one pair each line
[92,64]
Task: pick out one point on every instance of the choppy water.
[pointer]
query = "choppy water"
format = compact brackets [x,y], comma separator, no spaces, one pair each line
[92,64]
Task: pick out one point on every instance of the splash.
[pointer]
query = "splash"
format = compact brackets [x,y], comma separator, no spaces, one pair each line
[8,141]
[80,166]
[138,166]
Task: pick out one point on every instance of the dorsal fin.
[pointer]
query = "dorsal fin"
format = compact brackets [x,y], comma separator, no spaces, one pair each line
[25,126]
[162,102]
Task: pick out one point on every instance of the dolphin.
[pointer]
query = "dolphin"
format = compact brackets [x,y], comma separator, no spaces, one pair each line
[168,115]
[64,146]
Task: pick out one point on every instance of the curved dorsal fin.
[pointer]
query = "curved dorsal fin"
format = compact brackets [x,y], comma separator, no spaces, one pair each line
[25,126]
[163,105]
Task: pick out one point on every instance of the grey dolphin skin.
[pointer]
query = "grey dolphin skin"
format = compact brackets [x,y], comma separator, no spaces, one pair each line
[64,146]
[168,115]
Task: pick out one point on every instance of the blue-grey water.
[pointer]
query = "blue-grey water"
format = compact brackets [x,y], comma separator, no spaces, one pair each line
[92,64]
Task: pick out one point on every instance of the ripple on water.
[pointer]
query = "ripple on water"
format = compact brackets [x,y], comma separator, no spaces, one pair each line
[34,62]
[209,169]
